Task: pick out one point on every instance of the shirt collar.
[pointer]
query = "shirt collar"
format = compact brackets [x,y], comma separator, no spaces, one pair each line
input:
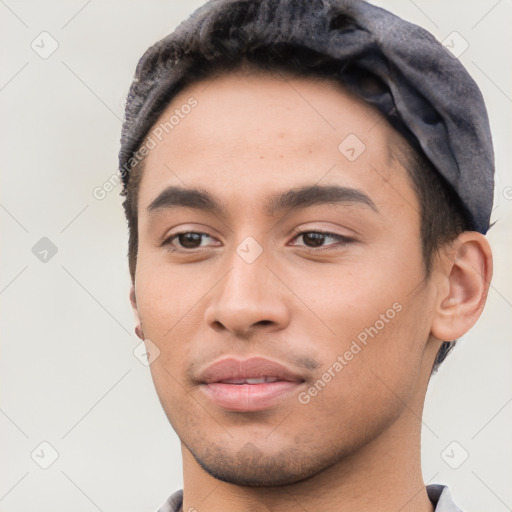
[439,495]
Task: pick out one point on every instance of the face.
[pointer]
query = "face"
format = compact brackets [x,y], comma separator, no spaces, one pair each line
[305,252]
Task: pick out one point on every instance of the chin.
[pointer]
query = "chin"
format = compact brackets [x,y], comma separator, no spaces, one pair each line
[250,467]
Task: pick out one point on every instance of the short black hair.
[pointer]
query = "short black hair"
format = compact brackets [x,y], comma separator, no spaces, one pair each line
[222,43]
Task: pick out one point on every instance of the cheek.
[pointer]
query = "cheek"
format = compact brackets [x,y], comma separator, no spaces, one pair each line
[373,324]
[166,306]
[366,379]
[166,298]
[352,298]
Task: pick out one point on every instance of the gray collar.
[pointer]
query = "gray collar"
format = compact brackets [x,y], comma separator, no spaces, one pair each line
[439,495]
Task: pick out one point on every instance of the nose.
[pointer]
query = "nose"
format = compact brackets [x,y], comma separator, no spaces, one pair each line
[248,298]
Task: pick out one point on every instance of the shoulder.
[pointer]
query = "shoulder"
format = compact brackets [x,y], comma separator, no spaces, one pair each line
[173,502]
[442,499]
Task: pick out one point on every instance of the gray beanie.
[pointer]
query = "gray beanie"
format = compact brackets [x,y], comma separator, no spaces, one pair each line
[422,89]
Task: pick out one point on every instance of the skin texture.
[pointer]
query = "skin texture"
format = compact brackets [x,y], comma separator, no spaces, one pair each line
[356,444]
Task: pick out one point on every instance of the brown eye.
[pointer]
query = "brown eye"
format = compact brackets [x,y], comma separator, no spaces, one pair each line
[190,240]
[186,240]
[314,239]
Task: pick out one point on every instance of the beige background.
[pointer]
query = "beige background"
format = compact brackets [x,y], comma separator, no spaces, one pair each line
[68,373]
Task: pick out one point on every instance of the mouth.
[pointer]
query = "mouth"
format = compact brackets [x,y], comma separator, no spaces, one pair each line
[248,385]
[257,380]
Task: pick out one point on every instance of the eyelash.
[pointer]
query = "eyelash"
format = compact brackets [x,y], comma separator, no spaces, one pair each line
[344,240]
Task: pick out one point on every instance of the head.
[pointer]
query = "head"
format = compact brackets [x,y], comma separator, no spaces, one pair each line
[404,273]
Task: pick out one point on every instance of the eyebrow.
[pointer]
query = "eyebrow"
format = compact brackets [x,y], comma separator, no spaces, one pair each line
[294,199]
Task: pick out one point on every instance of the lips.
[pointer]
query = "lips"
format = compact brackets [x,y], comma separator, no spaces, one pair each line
[242,370]
[248,385]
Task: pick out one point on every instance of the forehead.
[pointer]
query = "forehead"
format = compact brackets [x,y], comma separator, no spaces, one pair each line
[258,132]
[263,103]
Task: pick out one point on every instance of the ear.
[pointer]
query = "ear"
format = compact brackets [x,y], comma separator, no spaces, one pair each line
[138,323]
[466,271]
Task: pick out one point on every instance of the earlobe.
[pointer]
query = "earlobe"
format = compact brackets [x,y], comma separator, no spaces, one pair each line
[462,292]
[138,322]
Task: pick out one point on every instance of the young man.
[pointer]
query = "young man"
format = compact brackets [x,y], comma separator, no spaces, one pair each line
[308,185]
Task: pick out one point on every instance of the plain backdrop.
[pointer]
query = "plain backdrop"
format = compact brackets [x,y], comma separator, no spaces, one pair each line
[69,378]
